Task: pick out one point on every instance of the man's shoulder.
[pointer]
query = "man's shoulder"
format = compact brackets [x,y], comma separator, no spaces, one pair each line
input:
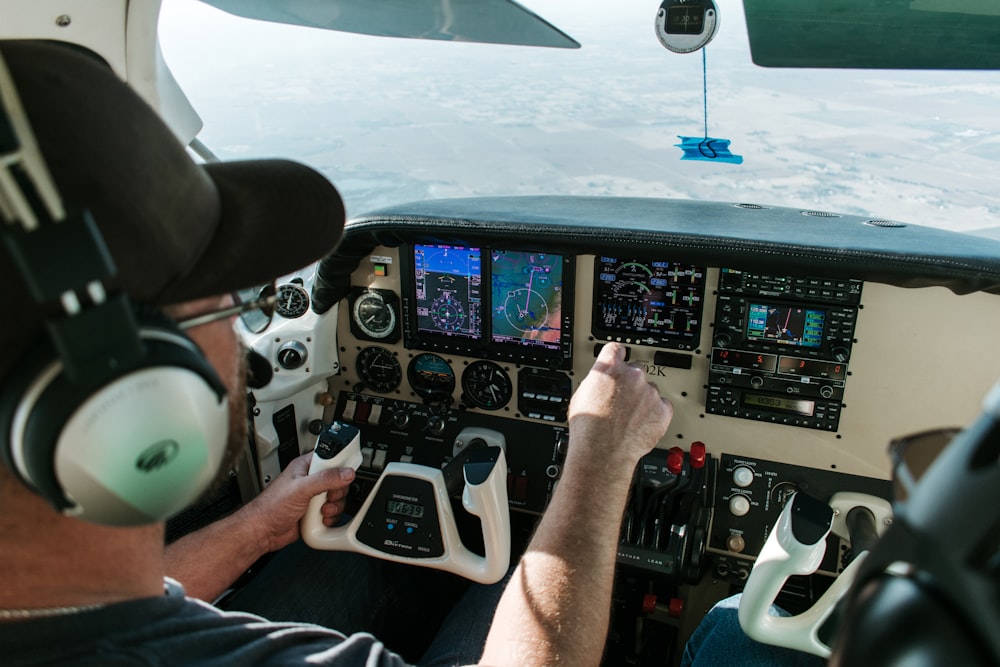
[175,630]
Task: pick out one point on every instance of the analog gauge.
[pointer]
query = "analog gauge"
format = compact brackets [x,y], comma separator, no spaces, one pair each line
[293,301]
[379,369]
[431,377]
[374,315]
[486,385]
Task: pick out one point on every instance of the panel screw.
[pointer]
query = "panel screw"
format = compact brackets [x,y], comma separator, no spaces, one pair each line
[63,20]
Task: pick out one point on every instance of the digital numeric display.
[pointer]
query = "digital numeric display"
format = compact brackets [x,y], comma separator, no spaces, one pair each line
[400,508]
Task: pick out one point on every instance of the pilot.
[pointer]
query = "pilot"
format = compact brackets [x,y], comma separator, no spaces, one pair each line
[102,588]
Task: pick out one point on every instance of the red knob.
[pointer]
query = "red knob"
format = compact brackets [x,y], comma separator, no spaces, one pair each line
[675,460]
[697,454]
[676,607]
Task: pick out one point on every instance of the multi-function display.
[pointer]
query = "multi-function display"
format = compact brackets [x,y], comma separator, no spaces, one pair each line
[489,302]
[651,302]
[527,290]
[789,325]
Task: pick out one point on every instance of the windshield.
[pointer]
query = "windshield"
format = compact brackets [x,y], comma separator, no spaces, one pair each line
[392,120]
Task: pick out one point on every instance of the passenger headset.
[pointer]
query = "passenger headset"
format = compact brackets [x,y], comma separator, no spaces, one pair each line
[115,417]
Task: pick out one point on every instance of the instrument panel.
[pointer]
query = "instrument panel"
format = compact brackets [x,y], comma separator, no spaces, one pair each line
[781,381]
[810,371]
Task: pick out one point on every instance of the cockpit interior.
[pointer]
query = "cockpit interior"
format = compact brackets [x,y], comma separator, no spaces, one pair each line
[795,344]
[793,359]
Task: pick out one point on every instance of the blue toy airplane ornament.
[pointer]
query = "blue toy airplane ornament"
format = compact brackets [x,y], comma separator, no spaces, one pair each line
[707,148]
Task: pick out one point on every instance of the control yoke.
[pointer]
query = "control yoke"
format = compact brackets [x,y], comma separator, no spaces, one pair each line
[796,546]
[408,516]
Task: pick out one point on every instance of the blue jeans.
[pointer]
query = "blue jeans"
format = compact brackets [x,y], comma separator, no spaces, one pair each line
[719,640]
[411,610]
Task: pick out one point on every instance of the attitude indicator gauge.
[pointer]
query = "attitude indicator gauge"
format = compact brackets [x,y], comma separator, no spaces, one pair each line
[379,369]
[486,385]
[431,377]
[374,315]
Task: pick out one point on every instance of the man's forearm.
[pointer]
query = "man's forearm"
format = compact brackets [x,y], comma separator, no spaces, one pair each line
[556,607]
[209,560]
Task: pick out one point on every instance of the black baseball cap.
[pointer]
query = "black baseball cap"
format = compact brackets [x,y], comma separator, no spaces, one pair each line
[176,230]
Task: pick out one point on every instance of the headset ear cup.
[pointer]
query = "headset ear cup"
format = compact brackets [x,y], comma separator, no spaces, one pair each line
[134,449]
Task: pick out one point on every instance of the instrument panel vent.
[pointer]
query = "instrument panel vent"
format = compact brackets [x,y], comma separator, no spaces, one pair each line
[752,207]
[888,224]
[820,214]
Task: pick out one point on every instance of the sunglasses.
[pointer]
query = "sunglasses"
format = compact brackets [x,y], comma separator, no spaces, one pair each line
[912,455]
[263,304]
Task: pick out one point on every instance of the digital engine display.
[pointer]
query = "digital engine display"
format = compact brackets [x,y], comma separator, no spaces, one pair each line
[526,291]
[656,302]
[448,281]
[788,325]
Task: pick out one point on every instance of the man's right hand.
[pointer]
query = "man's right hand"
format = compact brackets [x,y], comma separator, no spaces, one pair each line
[616,416]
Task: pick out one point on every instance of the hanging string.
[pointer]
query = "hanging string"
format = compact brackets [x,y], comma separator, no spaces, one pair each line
[706,147]
[704,88]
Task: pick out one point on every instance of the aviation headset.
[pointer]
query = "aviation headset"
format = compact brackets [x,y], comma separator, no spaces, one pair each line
[115,417]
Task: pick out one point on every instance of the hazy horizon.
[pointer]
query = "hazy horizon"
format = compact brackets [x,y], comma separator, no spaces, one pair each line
[393,120]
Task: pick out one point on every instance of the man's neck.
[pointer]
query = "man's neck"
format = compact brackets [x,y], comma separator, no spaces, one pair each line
[53,561]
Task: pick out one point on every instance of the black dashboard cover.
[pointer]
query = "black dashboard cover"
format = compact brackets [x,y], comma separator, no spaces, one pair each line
[748,237]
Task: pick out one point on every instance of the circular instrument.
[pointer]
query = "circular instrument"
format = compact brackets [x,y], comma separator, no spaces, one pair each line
[486,385]
[431,377]
[447,313]
[293,301]
[379,369]
[684,26]
[373,315]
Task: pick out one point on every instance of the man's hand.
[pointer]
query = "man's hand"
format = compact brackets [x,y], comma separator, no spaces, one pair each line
[208,560]
[616,416]
[555,609]
[276,512]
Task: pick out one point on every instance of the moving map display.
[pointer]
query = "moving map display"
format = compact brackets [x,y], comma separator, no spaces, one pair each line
[526,291]
[789,325]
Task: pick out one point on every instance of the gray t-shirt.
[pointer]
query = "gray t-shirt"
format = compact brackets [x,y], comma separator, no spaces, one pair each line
[176,630]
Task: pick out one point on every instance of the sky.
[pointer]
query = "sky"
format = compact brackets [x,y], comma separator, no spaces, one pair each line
[393,120]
